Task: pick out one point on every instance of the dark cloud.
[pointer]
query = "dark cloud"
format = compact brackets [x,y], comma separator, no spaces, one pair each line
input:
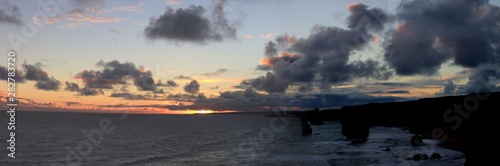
[284,41]
[305,87]
[183,77]
[250,100]
[192,24]
[19,76]
[193,87]
[215,87]
[10,14]
[269,62]
[187,24]
[449,88]
[217,72]
[86,91]
[71,103]
[363,18]
[432,32]
[159,91]
[247,93]
[145,81]
[48,84]
[32,73]
[73,87]
[391,92]
[483,79]
[222,24]
[181,97]
[3,73]
[43,81]
[168,83]
[94,79]
[116,73]
[323,56]
[129,96]
[392,84]
[269,83]
[201,96]
[270,50]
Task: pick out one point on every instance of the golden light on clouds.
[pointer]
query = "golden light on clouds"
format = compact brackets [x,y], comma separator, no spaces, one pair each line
[269,35]
[248,37]
[265,61]
[353,5]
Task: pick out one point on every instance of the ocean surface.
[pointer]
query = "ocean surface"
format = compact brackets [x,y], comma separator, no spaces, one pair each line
[222,139]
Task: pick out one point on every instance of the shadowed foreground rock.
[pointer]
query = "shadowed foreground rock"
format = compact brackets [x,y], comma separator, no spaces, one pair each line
[306,128]
[464,123]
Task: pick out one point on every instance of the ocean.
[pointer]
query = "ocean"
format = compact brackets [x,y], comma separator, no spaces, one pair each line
[212,139]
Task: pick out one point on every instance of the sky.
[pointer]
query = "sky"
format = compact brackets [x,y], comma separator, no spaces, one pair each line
[192,56]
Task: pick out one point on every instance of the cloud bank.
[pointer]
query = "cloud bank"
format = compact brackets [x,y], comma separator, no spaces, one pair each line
[192,24]
[115,73]
[33,73]
[323,56]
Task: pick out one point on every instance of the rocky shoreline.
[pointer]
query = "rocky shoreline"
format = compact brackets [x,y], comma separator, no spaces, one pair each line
[463,123]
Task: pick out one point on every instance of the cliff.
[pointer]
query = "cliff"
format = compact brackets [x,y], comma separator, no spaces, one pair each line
[464,123]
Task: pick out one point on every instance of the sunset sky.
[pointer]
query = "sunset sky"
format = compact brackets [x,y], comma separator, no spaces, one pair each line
[183,56]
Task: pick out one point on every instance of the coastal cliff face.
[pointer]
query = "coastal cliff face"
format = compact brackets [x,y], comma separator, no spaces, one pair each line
[464,123]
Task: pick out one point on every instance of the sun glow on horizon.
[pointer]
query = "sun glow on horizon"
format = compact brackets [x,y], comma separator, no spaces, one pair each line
[204,112]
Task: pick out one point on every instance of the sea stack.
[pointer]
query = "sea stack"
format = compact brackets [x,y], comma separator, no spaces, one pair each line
[306,128]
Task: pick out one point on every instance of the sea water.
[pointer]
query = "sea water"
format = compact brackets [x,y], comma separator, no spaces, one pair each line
[215,139]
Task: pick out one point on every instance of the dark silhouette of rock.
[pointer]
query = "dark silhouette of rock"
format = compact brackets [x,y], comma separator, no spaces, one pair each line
[417,141]
[315,117]
[354,130]
[420,156]
[436,156]
[465,123]
[306,128]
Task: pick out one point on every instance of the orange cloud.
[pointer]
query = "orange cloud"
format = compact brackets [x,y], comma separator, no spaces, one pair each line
[94,19]
[265,61]
[77,17]
[173,2]
[142,69]
[129,8]
[290,55]
[283,56]
[96,10]
[71,25]
[401,27]
[52,20]
[376,39]
[248,37]
[351,6]
[2,94]
[269,35]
